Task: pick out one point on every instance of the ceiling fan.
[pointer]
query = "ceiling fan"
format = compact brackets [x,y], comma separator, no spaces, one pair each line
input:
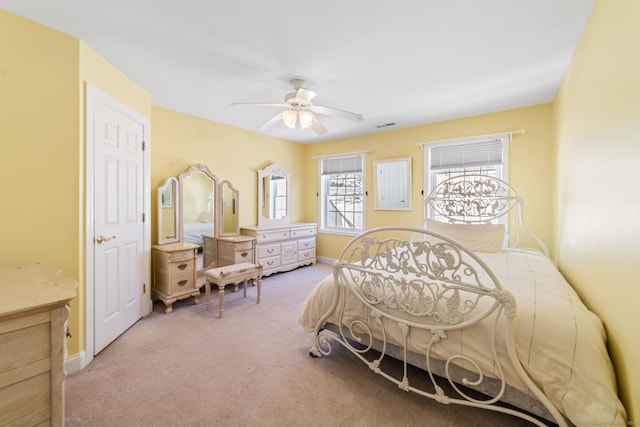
[299,109]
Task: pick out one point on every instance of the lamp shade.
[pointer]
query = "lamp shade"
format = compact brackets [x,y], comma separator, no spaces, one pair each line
[305,119]
[289,118]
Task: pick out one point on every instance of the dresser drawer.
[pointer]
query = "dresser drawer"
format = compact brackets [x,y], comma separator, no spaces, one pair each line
[180,255]
[33,342]
[182,267]
[181,283]
[236,257]
[303,232]
[270,262]
[306,244]
[306,254]
[243,246]
[273,236]
[265,251]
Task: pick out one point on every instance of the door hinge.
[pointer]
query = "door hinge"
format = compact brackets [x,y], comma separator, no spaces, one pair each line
[144,145]
[144,217]
[144,288]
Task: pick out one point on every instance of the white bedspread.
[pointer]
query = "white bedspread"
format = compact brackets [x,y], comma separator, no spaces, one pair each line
[561,344]
[193,231]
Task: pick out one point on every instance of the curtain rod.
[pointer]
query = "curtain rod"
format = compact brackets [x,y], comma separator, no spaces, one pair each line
[353,153]
[490,135]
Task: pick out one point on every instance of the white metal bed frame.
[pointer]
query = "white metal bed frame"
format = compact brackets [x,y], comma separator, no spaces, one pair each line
[410,278]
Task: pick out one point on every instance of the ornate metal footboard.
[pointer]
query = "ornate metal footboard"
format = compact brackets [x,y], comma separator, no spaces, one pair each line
[419,288]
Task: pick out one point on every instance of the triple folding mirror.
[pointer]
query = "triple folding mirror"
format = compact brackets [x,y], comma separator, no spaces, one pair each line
[196,208]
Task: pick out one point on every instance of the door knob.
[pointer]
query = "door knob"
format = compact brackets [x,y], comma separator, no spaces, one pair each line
[101,239]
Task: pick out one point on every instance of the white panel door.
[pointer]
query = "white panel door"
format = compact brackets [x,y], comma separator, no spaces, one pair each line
[118,222]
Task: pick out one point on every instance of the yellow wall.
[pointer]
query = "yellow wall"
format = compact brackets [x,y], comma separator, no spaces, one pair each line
[39,134]
[597,115]
[530,165]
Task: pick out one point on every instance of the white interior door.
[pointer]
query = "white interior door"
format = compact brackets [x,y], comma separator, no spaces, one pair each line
[119,267]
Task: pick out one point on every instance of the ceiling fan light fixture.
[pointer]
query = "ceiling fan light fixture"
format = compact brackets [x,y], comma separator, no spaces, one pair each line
[306,118]
[289,118]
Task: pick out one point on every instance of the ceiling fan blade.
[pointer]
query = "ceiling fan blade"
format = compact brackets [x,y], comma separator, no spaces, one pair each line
[271,121]
[317,125]
[335,112]
[259,104]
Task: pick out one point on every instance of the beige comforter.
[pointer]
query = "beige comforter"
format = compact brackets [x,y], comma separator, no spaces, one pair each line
[561,344]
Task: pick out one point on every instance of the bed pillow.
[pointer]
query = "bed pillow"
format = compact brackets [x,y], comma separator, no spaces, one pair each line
[475,237]
[205,216]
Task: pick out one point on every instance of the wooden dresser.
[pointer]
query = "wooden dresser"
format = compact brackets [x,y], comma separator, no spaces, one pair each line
[33,314]
[174,273]
[283,248]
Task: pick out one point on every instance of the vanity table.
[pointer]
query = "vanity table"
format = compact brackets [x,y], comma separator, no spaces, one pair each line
[198,230]
[187,212]
[280,244]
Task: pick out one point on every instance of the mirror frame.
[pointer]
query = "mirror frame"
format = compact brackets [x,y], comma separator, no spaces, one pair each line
[161,205]
[199,167]
[220,213]
[402,180]
[277,170]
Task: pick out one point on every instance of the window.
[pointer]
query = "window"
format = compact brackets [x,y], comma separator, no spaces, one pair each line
[342,194]
[485,155]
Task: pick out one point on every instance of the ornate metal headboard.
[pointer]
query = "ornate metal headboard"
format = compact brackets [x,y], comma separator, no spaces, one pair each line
[474,199]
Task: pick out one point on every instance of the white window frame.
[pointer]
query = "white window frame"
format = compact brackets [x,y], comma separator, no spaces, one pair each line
[323,193]
[475,167]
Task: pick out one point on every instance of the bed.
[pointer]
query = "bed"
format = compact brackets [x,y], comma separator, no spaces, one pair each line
[466,303]
[193,231]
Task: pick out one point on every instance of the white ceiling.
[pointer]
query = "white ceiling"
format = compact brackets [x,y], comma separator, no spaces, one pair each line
[407,62]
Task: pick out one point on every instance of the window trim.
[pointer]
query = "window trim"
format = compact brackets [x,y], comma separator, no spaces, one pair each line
[322,195]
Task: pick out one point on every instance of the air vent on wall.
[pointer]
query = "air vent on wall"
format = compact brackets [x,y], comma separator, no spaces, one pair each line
[386,125]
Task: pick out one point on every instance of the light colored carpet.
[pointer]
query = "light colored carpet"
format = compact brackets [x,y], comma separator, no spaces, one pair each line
[251,368]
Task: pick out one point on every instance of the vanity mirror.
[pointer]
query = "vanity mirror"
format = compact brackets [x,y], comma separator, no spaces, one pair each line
[197,213]
[274,201]
[168,212]
[229,224]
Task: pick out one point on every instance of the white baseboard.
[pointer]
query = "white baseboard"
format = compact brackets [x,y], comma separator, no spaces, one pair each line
[325,260]
[75,363]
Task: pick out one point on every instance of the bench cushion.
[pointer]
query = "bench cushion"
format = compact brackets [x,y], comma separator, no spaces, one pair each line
[214,274]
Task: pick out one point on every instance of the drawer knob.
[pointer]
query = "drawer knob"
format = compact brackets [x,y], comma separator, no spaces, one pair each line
[269,262]
[182,282]
[270,251]
[183,266]
[244,254]
[306,244]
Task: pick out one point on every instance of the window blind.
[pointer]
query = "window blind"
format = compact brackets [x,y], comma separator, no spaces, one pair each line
[337,165]
[482,153]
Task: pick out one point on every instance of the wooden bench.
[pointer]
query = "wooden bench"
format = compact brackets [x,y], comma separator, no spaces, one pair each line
[231,274]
